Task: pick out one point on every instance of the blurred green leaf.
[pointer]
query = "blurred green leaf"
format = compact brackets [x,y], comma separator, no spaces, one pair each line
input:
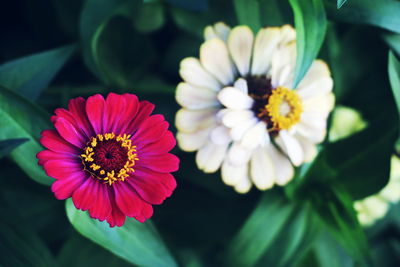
[380,13]
[248,13]
[94,17]
[195,5]
[121,57]
[271,13]
[20,245]
[20,118]
[360,164]
[149,17]
[30,75]
[393,40]
[260,231]
[138,243]
[330,253]
[335,209]
[6,146]
[340,3]
[310,21]
[295,239]
[394,76]
[78,251]
[195,22]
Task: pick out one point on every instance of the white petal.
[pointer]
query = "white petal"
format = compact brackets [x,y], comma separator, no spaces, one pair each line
[288,34]
[220,135]
[233,98]
[264,47]
[214,57]
[190,121]
[308,147]
[238,131]
[284,170]
[244,184]
[322,103]
[283,63]
[238,155]
[291,147]
[192,72]
[194,97]
[308,131]
[209,158]
[319,69]
[234,118]
[240,43]
[318,87]
[255,136]
[241,84]
[232,174]
[219,30]
[193,141]
[262,169]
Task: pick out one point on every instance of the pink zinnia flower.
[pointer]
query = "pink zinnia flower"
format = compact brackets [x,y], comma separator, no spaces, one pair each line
[111,156]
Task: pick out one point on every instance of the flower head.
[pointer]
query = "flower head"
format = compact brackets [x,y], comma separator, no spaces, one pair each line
[240,111]
[111,156]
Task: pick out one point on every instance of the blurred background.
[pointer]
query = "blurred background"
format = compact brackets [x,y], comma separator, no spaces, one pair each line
[54,50]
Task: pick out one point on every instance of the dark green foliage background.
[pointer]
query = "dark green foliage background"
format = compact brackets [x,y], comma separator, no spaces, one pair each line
[53,50]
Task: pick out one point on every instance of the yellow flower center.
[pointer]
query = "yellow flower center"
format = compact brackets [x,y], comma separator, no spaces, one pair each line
[284,108]
[109,158]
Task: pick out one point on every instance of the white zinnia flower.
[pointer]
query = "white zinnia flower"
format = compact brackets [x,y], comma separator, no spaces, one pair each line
[240,112]
[374,207]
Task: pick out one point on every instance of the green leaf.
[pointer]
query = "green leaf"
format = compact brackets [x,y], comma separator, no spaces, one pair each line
[335,209]
[20,246]
[360,164]
[340,3]
[260,231]
[382,13]
[20,118]
[295,239]
[310,21]
[150,17]
[137,243]
[194,5]
[30,75]
[248,13]
[393,41]
[394,77]
[330,253]
[95,16]
[78,251]
[6,146]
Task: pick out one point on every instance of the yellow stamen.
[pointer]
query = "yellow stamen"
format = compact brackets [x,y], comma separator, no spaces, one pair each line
[284,108]
[109,177]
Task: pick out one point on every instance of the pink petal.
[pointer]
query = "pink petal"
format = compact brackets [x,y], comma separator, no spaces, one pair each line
[69,133]
[64,188]
[152,186]
[127,199]
[47,155]
[53,141]
[95,109]
[116,218]
[159,162]
[151,130]
[163,145]
[77,107]
[85,196]
[121,109]
[144,111]
[61,169]
[148,187]
[102,207]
